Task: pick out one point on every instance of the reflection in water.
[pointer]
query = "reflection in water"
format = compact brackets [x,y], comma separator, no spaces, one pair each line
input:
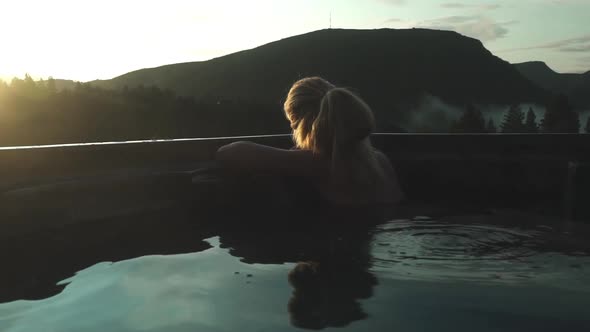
[327,294]
[293,225]
[187,292]
[454,269]
[332,275]
[38,261]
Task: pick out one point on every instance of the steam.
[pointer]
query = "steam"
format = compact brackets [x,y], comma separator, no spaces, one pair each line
[432,115]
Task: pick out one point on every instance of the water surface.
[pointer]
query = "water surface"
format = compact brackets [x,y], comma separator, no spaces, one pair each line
[459,273]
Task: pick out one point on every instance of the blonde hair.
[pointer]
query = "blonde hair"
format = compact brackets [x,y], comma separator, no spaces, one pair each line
[335,123]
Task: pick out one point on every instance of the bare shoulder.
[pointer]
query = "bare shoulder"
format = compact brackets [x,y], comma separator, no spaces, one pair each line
[249,156]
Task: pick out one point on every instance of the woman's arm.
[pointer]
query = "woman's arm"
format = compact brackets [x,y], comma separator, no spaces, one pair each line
[248,156]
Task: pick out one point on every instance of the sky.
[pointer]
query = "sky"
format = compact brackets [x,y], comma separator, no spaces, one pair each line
[86,40]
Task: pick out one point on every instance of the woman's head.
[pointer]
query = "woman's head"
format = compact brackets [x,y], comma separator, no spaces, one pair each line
[325,118]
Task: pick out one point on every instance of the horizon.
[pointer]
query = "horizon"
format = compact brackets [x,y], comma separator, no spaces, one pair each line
[85,42]
[8,78]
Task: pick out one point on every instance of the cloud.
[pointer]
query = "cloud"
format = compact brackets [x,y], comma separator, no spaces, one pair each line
[577,48]
[394,2]
[578,44]
[457,5]
[476,26]
[583,64]
[451,20]
[566,2]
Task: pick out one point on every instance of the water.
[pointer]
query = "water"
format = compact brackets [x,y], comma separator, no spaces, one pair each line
[460,273]
[434,250]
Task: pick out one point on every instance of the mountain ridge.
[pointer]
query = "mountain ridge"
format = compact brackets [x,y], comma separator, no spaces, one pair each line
[575,86]
[386,66]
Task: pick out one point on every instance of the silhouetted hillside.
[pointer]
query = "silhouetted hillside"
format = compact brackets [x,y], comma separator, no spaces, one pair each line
[39,113]
[389,68]
[580,95]
[64,84]
[575,86]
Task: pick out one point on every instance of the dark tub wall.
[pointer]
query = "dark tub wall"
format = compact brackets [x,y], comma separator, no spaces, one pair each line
[26,164]
[68,160]
[545,173]
[520,171]
[64,208]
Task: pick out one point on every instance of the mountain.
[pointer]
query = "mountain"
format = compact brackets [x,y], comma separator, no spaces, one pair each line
[390,68]
[575,86]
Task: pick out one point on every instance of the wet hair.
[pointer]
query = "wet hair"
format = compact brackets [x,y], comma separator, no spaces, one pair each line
[335,123]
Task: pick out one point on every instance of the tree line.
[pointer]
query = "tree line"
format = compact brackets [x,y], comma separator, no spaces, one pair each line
[560,117]
[37,112]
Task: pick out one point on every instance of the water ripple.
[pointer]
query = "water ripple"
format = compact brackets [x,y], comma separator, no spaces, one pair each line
[426,249]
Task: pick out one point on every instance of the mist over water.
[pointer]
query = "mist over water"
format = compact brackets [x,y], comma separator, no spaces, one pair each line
[432,115]
[584,115]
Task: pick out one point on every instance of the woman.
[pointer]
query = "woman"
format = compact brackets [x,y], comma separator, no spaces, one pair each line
[331,128]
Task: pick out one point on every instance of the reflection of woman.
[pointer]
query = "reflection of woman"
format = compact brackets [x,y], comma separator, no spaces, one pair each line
[331,128]
[334,251]
[327,293]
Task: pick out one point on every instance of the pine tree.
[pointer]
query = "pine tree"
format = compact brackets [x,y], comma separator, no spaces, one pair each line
[513,120]
[471,121]
[491,127]
[560,117]
[51,86]
[3,87]
[531,122]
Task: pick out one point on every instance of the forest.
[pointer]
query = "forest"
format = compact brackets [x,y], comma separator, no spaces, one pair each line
[37,112]
[560,117]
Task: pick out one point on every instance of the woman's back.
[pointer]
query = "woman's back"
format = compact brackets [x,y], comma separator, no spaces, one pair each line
[377,184]
[331,129]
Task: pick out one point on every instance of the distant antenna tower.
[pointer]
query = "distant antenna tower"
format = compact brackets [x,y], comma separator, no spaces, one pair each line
[330,19]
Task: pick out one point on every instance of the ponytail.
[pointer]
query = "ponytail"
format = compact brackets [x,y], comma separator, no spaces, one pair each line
[341,131]
[343,121]
[335,123]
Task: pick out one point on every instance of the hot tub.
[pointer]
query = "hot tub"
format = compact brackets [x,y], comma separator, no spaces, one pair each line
[149,236]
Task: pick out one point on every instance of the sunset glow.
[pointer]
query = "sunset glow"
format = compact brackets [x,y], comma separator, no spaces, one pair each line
[84,40]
